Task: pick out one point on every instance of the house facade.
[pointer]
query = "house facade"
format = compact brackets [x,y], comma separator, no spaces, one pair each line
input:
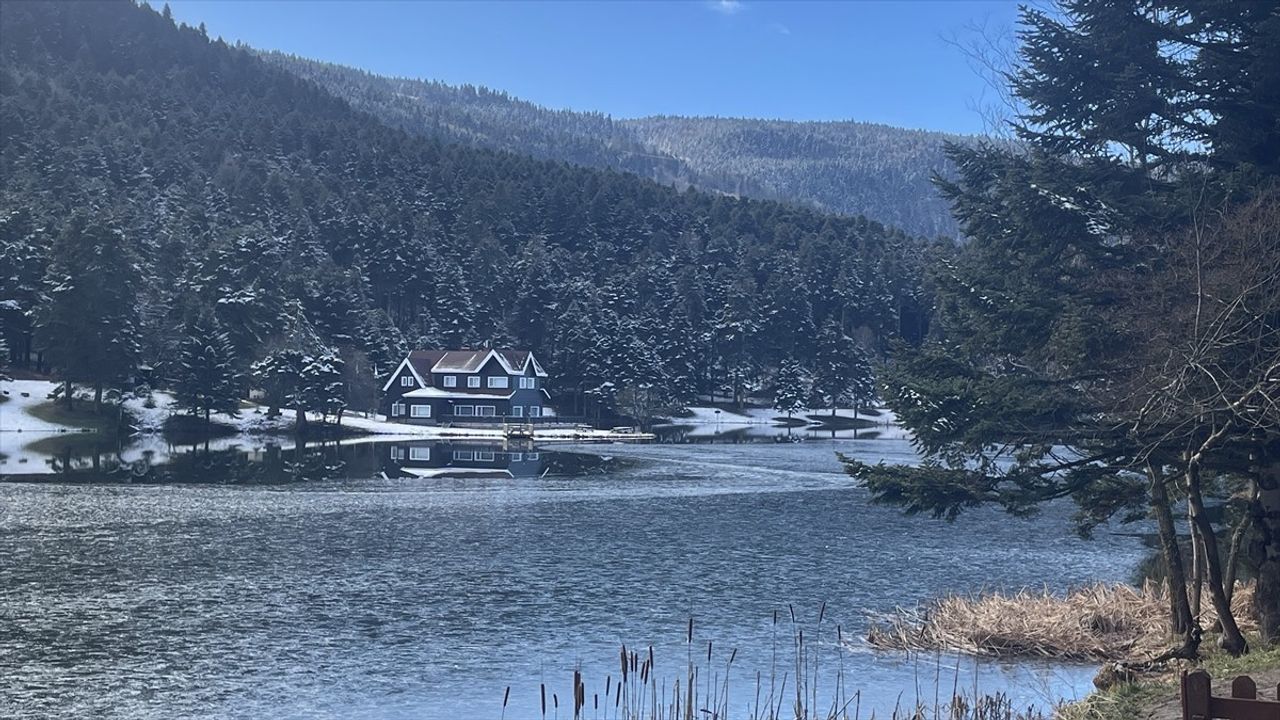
[466,386]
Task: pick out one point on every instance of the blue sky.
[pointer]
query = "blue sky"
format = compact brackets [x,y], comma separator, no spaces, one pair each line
[883,62]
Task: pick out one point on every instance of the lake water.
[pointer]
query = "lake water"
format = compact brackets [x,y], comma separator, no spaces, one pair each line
[382,581]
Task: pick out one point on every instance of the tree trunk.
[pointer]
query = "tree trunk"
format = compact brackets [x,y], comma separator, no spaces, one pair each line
[206,418]
[1264,550]
[66,393]
[1197,566]
[1181,621]
[1233,554]
[97,399]
[299,422]
[1232,640]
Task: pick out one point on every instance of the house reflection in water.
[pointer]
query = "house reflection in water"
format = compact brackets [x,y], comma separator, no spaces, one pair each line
[429,459]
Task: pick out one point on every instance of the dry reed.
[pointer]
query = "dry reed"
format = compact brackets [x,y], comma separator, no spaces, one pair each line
[789,691]
[1094,623]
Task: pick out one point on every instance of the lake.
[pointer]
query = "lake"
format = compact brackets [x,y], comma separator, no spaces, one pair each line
[420,580]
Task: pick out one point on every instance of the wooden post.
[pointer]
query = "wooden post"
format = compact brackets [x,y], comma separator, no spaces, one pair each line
[1244,688]
[1196,691]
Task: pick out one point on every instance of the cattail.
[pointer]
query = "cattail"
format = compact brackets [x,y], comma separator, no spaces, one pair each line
[690,631]
[708,651]
[822,612]
[577,692]
[543,687]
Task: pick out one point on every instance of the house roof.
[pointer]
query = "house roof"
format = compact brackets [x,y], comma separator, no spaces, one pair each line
[515,362]
[464,362]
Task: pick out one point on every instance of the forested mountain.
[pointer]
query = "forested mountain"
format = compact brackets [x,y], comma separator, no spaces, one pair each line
[851,168]
[847,167]
[158,186]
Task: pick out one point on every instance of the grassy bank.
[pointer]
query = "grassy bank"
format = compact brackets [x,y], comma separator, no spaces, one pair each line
[1101,623]
[1155,697]
[1097,623]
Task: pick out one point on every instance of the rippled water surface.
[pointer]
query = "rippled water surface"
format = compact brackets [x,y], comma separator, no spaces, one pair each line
[376,596]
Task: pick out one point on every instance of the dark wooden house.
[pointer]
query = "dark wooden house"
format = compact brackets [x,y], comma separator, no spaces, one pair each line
[467,386]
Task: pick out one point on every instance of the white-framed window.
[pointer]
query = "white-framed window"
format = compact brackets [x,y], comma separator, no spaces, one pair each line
[517,457]
[406,381]
[420,411]
[531,456]
[535,411]
[484,456]
[528,383]
[397,409]
[486,410]
[451,381]
[463,455]
[473,381]
[464,410]
[498,381]
[419,453]
[395,452]
[517,411]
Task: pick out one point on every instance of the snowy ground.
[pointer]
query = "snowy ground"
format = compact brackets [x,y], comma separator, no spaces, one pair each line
[24,395]
[708,421]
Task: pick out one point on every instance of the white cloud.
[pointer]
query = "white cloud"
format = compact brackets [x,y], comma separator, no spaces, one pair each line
[726,7]
[780,29]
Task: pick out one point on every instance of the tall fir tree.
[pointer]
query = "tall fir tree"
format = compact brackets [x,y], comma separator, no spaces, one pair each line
[791,387]
[204,376]
[841,370]
[86,323]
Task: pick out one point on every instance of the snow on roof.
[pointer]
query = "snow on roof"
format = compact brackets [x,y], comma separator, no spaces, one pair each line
[515,362]
[435,393]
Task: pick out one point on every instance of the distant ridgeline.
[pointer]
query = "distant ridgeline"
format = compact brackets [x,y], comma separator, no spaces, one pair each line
[168,182]
[851,168]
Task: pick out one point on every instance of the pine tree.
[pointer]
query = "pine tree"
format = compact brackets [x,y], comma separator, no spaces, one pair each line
[453,315]
[204,377]
[87,323]
[790,387]
[841,369]
[1064,321]
[320,387]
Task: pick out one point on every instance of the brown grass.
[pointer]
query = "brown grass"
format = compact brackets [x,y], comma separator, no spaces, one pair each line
[1094,623]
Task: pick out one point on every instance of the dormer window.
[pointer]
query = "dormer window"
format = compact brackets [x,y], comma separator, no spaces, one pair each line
[528,383]
[451,381]
[406,381]
[473,381]
[498,381]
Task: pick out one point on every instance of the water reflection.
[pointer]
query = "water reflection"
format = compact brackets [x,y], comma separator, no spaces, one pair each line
[730,433]
[245,461]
